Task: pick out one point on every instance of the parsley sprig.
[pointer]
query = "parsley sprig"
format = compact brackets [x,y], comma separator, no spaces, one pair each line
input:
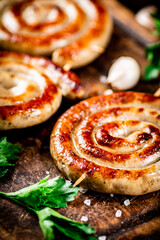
[156,17]
[48,218]
[8,152]
[53,193]
[152,71]
[153,55]
[42,197]
[45,195]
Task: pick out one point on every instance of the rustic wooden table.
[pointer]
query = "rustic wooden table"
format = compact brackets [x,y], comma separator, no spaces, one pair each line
[139,220]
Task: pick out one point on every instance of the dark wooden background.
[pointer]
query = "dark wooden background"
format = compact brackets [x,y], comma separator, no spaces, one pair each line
[139,220]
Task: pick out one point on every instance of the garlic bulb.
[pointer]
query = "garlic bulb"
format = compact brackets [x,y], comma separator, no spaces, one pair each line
[143,17]
[124,73]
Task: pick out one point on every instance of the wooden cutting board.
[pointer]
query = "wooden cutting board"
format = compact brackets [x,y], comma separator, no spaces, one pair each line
[139,220]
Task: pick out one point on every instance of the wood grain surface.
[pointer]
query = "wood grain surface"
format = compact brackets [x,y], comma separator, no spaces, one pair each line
[125,19]
[139,220]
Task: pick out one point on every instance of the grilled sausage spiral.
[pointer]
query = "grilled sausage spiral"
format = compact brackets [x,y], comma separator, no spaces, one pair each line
[114,140]
[31,89]
[78,31]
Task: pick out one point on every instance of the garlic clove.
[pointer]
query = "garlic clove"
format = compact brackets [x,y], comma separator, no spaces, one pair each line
[124,73]
[144,18]
[108,92]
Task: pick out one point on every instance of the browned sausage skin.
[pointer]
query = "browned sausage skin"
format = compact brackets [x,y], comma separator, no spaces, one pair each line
[114,140]
[31,89]
[75,31]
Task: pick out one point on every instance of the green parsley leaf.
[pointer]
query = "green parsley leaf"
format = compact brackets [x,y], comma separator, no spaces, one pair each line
[53,193]
[49,219]
[152,71]
[156,17]
[3,172]
[8,152]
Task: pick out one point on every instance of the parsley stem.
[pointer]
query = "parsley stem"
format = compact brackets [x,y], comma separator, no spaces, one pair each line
[8,196]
